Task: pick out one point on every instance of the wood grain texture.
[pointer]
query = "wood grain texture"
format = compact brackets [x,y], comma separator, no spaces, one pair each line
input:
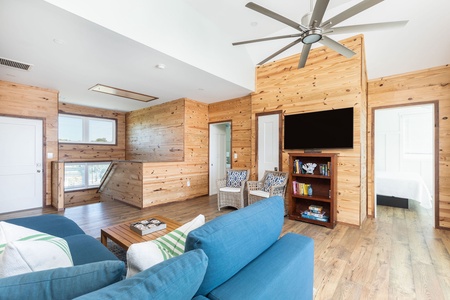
[399,255]
[425,86]
[329,81]
[239,112]
[23,101]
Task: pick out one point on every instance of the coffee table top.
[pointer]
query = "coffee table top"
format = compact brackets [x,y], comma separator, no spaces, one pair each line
[122,235]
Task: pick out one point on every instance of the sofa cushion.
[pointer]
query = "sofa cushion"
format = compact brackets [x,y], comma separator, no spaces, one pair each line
[276,274]
[62,283]
[176,278]
[86,249]
[141,256]
[234,178]
[52,224]
[233,240]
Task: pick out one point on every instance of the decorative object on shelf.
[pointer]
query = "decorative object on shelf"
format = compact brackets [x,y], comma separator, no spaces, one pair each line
[310,190]
[148,226]
[309,167]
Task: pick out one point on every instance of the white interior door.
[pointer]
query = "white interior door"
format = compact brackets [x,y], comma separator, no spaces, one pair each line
[217,155]
[268,143]
[21,171]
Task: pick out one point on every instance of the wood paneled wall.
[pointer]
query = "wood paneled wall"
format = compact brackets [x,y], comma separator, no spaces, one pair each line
[414,88]
[329,81]
[164,182]
[17,100]
[156,133]
[239,112]
[84,152]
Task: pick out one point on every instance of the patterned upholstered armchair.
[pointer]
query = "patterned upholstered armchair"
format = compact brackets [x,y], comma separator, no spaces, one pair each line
[273,183]
[231,190]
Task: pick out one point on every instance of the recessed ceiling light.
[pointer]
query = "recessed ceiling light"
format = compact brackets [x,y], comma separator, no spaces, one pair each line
[254,24]
[59,41]
[122,93]
[160,66]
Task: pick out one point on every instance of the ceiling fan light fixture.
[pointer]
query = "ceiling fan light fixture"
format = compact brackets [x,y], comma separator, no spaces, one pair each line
[311,36]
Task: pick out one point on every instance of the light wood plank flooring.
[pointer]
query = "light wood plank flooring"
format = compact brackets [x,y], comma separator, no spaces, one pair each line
[399,255]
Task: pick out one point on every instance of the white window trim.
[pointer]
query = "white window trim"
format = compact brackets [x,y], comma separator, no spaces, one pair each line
[85,130]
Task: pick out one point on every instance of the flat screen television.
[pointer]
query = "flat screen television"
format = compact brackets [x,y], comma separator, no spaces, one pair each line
[328,129]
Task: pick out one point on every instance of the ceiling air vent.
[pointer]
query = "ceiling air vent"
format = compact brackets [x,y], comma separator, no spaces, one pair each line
[14,64]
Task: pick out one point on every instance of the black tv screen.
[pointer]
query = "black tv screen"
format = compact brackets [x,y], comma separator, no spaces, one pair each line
[319,130]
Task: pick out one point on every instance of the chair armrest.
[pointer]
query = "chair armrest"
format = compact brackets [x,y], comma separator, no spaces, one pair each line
[254,185]
[221,183]
[278,190]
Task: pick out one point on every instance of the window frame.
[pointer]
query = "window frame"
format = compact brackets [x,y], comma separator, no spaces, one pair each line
[85,185]
[85,130]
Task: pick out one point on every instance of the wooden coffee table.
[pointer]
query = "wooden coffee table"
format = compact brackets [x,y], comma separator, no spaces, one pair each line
[122,235]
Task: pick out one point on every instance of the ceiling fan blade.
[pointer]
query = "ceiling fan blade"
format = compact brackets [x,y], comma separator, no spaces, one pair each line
[349,13]
[365,27]
[338,47]
[267,39]
[273,15]
[318,12]
[281,51]
[304,55]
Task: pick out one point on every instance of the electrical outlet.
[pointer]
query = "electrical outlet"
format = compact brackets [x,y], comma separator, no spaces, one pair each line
[188,183]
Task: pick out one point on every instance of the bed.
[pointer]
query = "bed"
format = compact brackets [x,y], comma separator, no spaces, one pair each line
[401,185]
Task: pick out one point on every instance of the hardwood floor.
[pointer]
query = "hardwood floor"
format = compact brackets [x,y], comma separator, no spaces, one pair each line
[399,255]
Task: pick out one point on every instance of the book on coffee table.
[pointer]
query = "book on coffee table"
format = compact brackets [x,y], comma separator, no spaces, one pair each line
[148,226]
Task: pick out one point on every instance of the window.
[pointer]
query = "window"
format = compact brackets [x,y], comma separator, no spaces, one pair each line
[83,175]
[86,130]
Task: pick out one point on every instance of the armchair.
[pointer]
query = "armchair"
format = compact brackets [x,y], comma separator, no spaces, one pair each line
[230,190]
[273,183]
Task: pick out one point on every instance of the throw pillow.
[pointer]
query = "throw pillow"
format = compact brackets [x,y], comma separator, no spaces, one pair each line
[25,250]
[62,283]
[144,255]
[234,178]
[177,278]
[272,180]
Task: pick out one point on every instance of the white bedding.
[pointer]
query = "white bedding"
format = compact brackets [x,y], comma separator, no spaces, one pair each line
[403,185]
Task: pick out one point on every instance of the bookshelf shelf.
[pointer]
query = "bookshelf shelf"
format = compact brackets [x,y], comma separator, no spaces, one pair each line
[323,184]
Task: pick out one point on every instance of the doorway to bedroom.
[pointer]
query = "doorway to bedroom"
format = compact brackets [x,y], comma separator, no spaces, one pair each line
[405,160]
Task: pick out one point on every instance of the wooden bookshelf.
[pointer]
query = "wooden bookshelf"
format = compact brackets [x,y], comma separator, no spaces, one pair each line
[322,181]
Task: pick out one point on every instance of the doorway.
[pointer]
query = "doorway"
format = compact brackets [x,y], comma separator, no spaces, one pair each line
[21,164]
[219,153]
[268,126]
[405,160]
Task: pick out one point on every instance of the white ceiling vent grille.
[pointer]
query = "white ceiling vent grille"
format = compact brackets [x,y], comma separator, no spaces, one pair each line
[14,64]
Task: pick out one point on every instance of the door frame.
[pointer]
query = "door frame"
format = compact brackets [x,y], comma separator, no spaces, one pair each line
[435,104]
[209,146]
[280,129]
[44,151]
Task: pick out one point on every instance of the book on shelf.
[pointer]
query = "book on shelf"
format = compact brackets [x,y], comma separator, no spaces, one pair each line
[315,208]
[315,216]
[297,167]
[300,188]
[148,226]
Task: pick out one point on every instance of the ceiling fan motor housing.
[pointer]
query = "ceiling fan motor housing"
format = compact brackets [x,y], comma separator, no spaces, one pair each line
[311,36]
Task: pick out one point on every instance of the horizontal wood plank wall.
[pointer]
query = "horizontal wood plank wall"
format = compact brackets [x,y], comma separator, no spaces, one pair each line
[164,182]
[416,87]
[329,81]
[17,100]
[239,112]
[156,133]
[125,184]
[83,152]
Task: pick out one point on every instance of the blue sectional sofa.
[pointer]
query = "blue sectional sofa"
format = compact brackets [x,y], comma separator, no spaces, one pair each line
[239,255]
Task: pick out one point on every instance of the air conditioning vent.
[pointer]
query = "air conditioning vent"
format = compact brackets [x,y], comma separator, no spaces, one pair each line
[14,64]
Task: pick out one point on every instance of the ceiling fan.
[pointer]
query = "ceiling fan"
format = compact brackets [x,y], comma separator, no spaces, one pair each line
[312,29]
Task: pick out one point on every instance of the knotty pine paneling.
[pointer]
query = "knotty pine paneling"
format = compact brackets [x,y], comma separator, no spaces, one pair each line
[84,152]
[424,86]
[163,182]
[156,133]
[329,81]
[17,100]
[238,111]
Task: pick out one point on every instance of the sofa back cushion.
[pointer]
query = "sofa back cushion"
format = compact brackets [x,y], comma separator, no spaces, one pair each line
[233,240]
[56,225]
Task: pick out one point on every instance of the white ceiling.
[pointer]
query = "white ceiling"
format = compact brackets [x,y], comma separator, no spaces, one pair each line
[74,45]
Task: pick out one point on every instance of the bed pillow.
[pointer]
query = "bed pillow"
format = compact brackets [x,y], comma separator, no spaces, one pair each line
[141,256]
[62,283]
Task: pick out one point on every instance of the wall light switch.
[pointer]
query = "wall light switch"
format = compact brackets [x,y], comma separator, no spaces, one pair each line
[49,155]
[235,155]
